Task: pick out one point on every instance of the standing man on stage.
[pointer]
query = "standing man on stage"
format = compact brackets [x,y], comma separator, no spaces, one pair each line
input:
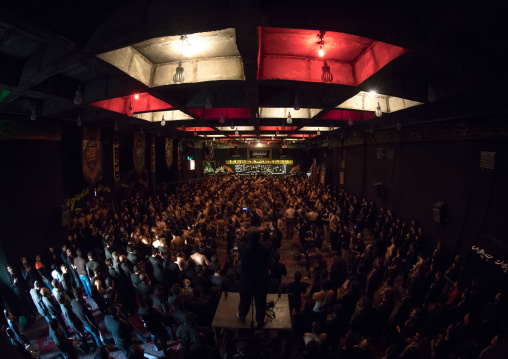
[255,259]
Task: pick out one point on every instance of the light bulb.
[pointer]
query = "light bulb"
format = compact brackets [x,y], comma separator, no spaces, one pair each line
[273,138]
[326,76]
[432,95]
[379,113]
[178,76]
[321,51]
[78,99]
[236,132]
[221,118]
[372,93]
[136,97]
[33,116]
[331,127]
[283,128]
[116,126]
[195,133]
[232,125]
[277,132]
[130,112]
[79,121]
[163,122]
[318,132]
[350,121]
[208,103]
[289,120]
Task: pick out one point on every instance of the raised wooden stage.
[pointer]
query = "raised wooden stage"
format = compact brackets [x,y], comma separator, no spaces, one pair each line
[225,316]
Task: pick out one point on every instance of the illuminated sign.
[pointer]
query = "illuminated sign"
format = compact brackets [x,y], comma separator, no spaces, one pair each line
[259,162]
[254,169]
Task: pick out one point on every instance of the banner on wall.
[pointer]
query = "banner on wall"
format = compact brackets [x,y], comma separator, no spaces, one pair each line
[91,149]
[180,144]
[322,174]
[259,153]
[152,157]
[116,158]
[169,152]
[139,152]
[255,169]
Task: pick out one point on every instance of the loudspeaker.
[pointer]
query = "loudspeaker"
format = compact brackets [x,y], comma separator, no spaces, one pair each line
[439,212]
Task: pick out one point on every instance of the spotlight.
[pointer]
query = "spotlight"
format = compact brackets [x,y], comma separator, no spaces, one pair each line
[136,97]
[327,76]
[163,122]
[78,99]
[178,76]
[208,103]
[372,93]
[289,120]
[379,113]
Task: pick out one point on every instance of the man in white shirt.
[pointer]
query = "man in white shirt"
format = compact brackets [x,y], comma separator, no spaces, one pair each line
[290,221]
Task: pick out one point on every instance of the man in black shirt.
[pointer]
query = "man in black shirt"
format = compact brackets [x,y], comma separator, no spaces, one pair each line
[119,328]
[154,322]
[254,257]
[79,307]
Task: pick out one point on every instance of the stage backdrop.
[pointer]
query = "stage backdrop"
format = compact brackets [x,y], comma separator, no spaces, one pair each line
[255,167]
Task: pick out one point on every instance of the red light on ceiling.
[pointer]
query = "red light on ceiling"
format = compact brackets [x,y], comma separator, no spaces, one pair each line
[290,54]
[214,113]
[345,115]
[145,103]
[136,96]
[197,129]
[277,128]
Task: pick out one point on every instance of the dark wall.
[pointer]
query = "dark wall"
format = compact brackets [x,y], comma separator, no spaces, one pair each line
[31,195]
[418,174]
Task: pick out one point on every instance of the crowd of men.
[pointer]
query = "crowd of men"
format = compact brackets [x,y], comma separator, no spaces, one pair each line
[160,260]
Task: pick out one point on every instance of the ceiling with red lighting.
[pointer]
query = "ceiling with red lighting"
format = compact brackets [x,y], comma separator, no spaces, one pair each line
[292,54]
[252,67]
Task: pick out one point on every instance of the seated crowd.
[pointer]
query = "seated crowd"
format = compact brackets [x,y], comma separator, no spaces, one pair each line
[165,262]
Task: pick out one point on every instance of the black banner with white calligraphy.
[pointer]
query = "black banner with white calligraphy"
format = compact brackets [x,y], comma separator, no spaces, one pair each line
[265,169]
[259,153]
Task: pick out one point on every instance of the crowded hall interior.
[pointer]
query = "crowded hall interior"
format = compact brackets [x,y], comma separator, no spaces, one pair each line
[253,179]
